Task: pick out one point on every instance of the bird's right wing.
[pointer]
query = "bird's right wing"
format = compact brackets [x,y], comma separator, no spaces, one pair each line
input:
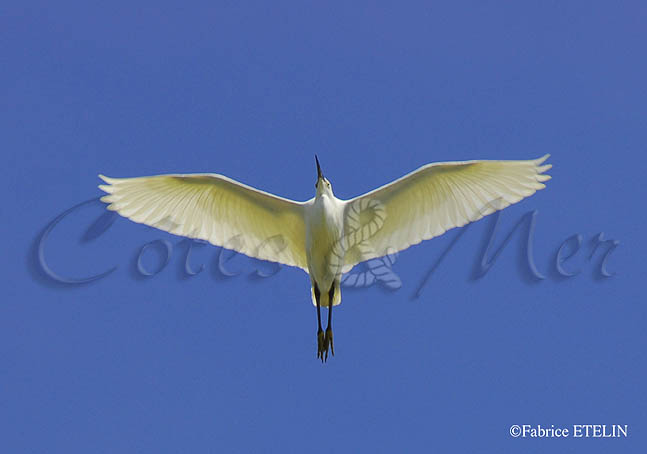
[214,208]
[431,200]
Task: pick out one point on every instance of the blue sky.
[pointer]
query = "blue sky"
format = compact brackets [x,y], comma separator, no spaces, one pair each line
[210,362]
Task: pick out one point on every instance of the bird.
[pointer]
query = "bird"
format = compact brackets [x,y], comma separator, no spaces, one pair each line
[325,236]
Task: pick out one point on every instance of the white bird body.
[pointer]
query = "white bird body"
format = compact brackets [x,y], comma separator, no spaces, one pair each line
[324,219]
[325,236]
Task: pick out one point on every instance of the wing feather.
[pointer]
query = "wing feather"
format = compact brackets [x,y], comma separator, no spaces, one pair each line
[216,209]
[437,197]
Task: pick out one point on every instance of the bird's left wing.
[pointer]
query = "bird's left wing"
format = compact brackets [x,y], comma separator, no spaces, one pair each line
[214,208]
[431,200]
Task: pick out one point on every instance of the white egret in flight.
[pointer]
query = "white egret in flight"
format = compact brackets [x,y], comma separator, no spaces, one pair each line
[325,236]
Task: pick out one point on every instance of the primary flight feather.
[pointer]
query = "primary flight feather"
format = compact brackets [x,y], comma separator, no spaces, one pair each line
[325,236]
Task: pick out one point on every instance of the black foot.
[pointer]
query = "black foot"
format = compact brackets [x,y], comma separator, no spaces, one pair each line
[320,344]
[328,343]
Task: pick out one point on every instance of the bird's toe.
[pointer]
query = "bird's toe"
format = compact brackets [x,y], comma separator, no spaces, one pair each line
[320,344]
[328,344]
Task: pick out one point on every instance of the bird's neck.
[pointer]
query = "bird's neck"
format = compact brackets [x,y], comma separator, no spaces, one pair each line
[325,200]
[325,194]
[327,208]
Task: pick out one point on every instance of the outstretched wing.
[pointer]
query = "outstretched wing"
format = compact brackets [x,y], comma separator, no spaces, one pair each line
[433,199]
[216,209]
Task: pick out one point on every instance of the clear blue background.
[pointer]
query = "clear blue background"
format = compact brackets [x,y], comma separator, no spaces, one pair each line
[209,363]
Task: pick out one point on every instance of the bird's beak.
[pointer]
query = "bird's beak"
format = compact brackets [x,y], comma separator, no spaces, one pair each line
[319,173]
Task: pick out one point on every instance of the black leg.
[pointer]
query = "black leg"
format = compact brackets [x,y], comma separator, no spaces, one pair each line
[320,333]
[318,301]
[328,340]
[331,295]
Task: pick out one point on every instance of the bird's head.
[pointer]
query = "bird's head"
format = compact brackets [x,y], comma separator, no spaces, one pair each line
[322,185]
